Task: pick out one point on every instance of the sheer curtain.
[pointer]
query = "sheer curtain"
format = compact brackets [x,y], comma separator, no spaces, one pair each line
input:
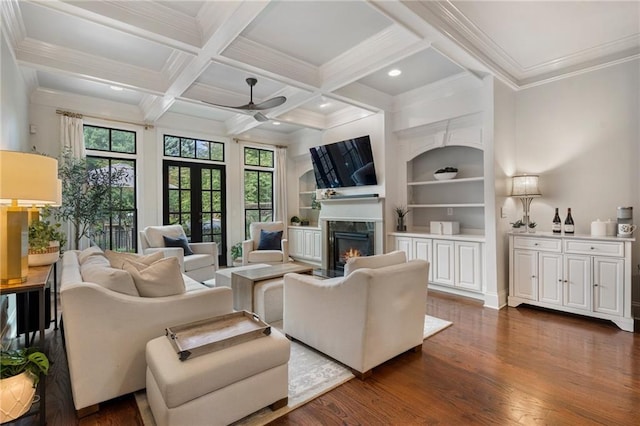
[72,135]
[280,206]
[72,138]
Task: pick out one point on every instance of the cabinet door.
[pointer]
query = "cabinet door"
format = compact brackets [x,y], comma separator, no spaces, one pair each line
[316,254]
[421,249]
[404,244]
[308,244]
[443,262]
[577,281]
[550,278]
[608,283]
[525,267]
[296,242]
[467,265]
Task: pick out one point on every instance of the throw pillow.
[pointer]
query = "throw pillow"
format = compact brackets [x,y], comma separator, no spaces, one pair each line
[110,278]
[117,259]
[161,278]
[84,254]
[270,240]
[178,242]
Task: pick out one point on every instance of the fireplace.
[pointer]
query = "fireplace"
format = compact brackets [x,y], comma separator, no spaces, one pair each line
[349,239]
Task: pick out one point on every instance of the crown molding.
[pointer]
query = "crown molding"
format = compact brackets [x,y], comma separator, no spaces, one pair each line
[12,23]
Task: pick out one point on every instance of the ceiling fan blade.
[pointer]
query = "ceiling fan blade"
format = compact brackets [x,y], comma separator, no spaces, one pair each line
[260,117]
[271,103]
[243,107]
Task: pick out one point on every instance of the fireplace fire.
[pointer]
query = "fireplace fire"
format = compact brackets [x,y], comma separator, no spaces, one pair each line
[347,240]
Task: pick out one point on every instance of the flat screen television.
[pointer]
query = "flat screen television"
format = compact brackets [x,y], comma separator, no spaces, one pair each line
[343,164]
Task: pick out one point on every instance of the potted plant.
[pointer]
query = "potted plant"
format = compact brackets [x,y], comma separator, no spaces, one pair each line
[236,254]
[19,375]
[518,226]
[446,173]
[45,240]
[84,194]
[295,221]
[401,211]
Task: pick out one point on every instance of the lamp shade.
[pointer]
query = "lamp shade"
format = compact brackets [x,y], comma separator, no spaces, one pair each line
[28,179]
[525,186]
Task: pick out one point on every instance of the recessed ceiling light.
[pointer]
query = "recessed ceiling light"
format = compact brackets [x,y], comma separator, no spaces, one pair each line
[116,88]
[276,123]
[324,105]
[394,72]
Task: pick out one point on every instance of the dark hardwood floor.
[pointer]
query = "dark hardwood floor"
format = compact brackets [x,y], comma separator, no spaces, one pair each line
[513,366]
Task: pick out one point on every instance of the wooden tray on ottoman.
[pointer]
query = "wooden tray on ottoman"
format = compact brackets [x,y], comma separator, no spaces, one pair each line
[213,334]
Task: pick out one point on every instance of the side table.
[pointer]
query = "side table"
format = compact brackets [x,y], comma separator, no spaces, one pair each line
[36,281]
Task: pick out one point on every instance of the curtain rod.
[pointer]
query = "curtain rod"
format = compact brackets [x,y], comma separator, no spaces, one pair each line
[77,115]
[236,140]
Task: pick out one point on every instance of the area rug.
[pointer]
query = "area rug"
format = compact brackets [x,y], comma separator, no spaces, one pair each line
[311,374]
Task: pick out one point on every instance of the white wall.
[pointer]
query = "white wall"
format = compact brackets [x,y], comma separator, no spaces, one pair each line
[581,136]
[14,103]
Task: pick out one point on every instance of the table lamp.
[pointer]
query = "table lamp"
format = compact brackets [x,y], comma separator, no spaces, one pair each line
[525,187]
[25,180]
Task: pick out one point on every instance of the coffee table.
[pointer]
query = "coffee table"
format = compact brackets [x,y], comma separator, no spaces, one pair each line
[242,282]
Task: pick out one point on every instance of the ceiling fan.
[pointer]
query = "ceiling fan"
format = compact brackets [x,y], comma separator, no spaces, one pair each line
[270,103]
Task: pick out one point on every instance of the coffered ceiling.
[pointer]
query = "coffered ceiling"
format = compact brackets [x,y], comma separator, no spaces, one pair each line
[330,59]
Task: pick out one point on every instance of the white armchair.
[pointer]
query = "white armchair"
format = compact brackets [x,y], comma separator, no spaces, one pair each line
[201,265]
[371,315]
[250,248]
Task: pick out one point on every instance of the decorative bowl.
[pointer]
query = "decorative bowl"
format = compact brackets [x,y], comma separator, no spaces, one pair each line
[445,176]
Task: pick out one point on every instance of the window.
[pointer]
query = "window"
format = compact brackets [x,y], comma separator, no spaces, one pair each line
[175,146]
[258,186]
[112,151]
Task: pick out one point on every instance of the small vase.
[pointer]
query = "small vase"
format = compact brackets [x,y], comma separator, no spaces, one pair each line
[401,226]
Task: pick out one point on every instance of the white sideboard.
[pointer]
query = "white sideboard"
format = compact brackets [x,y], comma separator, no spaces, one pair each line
[578,274]
[456,261]
[305,243]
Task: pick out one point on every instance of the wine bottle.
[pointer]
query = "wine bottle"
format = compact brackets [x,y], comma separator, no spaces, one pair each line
[568,223]
[557,223]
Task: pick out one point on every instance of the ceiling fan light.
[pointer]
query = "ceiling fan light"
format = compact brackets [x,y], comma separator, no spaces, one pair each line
[394,72]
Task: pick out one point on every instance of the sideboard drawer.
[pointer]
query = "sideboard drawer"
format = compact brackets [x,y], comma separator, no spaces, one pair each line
[533,243]
[600,248]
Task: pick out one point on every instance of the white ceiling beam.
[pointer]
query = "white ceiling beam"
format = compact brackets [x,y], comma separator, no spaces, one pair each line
[57,59]
[12,23]
[229,19]
[389,45]
[149,20]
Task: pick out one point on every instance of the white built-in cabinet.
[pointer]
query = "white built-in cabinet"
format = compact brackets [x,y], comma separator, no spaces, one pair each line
[455,264]
[579,274]
[306,194]
[305,243]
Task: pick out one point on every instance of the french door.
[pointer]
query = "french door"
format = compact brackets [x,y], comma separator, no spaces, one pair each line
[194,196]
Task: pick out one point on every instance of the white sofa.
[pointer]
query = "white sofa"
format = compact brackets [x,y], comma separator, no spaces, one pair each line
[373,313]
[201,265]
[107,326]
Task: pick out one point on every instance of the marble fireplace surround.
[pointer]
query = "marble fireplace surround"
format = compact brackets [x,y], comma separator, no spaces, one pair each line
[352,209]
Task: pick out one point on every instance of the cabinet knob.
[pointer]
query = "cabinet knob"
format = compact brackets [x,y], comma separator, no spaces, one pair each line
[535,244]
[560,280]
[592,248]
[566,281]
[595,285]
[533,276]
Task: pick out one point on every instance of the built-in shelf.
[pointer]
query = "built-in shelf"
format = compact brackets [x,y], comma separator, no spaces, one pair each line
[307,192]
[446,205]
[440,182]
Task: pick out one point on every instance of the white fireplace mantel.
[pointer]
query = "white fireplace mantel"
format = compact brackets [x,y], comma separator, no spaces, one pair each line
[354,209]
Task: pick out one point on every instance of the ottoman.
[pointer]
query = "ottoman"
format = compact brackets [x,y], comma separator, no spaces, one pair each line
[220,387]
[223,276]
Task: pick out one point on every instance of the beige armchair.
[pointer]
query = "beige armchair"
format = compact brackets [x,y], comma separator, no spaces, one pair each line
[365,318]
[251,253]
[201,265]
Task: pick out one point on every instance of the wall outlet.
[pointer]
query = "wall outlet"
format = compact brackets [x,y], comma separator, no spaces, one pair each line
[449,211]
